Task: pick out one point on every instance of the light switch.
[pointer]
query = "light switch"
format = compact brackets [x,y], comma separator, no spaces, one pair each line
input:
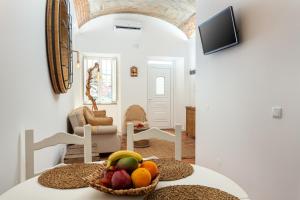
[277,112]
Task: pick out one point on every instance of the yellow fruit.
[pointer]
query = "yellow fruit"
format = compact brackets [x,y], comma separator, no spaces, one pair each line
[114,157]
[151,167]
[141,177]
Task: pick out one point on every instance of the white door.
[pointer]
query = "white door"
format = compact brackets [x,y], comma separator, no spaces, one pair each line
[160,96]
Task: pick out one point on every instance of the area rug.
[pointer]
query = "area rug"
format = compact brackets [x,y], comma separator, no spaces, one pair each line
[165,149]
[162,149]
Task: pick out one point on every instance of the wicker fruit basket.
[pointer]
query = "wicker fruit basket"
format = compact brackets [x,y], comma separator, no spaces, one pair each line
[92,181]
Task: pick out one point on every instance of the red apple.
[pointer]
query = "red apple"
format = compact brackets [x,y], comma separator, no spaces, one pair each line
[106,178]
[121,180]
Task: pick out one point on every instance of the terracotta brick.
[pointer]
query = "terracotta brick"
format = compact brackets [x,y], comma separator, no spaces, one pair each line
[181,13]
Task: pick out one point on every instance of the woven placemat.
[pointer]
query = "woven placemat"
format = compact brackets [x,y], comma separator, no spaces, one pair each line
[68,177]
[171,169]
[189,192]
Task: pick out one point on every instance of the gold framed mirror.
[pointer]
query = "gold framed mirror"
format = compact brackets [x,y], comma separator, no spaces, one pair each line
[59,44]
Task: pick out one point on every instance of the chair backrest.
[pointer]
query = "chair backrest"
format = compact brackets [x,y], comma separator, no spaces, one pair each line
[28,146]
[135,112]
[155,133]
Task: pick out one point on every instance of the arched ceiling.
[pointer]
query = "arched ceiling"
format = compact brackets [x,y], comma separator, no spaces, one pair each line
[180,13]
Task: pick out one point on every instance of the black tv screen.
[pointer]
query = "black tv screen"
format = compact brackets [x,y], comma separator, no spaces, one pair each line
[219,32]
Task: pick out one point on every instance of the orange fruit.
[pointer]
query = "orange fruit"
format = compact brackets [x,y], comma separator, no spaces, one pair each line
[152,168]
[141,177]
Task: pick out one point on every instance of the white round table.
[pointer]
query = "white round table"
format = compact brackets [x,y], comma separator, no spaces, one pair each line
[32,190]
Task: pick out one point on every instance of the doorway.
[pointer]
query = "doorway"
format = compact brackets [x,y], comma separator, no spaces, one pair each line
[160,94]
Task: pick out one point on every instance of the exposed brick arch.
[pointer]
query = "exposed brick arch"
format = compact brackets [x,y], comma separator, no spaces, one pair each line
[180,13]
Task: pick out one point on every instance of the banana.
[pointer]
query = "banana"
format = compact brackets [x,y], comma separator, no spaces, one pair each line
[122,154]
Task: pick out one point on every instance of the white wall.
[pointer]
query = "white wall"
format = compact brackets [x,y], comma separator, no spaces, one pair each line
[158,39]
[27,100]
[192,66]
[236,88]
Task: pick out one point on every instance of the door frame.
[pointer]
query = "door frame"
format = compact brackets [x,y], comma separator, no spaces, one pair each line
[172,68]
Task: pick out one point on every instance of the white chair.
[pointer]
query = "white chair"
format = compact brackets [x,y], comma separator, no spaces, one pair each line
[155,133]
[28,146]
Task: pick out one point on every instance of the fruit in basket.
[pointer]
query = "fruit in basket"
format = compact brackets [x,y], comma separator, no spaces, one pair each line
[126,169]
[114,157]
[151,167]
[140,125]
[141,177]
[121,180]
[106,178]
[129,164]
[112,168]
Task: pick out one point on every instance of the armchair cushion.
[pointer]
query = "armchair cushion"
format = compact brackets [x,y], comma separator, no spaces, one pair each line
[99,113]
[96,121]
[104,121]
[97,130]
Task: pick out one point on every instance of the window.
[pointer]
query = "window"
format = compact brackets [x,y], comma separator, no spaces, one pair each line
[103,82]
[160,86]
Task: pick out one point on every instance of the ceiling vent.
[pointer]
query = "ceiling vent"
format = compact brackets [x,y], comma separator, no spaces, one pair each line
[127,25]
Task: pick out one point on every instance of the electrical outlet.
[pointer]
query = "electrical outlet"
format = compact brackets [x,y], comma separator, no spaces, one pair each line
[277,112]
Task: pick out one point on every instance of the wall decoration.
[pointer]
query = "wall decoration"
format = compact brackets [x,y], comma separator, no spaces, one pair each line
[59,44]
[134,71]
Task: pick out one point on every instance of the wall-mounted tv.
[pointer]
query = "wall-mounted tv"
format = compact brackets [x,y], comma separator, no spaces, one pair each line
[219,32]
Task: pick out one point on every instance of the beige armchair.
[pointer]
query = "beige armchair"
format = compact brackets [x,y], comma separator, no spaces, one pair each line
[104,133]
[136,115]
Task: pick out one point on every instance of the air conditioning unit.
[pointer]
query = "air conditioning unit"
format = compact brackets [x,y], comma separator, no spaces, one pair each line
[121,25]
